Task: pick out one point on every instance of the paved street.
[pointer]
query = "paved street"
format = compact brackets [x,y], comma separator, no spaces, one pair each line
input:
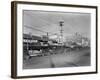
[66,59]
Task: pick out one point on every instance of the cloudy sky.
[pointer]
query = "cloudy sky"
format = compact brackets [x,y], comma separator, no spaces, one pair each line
[39,22]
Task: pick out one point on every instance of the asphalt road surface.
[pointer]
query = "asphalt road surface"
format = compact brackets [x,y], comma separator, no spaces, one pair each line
[74,58]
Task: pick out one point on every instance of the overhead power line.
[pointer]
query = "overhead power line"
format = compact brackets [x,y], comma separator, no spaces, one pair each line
[34,28]
[40,18]
[49,33]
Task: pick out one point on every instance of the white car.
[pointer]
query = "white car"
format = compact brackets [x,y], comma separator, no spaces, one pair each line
[35,52]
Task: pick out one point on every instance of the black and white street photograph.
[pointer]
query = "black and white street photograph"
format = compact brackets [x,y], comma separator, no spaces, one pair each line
[54,39]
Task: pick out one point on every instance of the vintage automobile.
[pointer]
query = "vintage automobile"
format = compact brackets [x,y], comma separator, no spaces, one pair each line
[33,53]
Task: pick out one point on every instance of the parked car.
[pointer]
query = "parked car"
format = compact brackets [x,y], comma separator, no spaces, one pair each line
[35,53]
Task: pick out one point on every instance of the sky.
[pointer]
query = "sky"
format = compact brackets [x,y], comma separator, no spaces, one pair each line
[41,22]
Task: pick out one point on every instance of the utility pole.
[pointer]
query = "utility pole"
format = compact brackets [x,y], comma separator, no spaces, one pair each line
[47,34]
[52,65]
[61,31]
